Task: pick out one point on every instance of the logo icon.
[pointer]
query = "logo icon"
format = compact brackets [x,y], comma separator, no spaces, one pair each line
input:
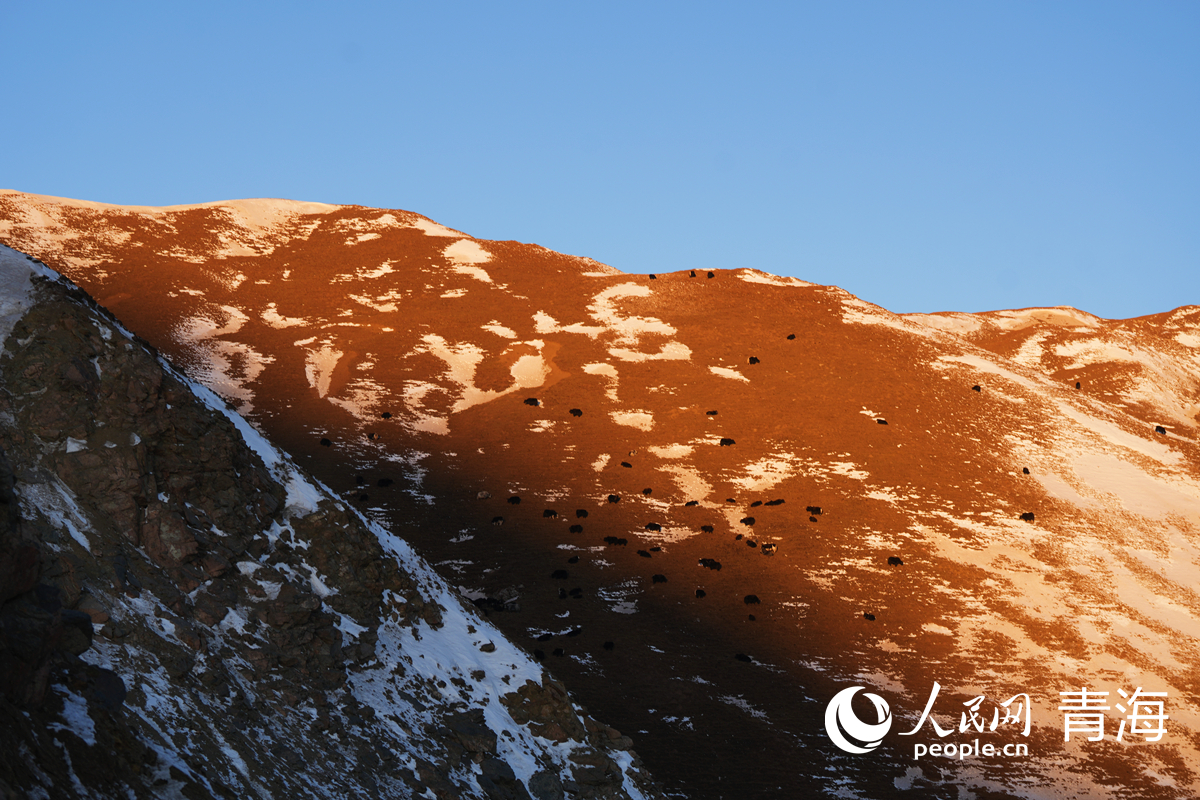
[849,732]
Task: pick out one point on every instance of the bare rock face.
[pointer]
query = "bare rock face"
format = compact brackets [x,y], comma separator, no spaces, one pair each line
[182,613]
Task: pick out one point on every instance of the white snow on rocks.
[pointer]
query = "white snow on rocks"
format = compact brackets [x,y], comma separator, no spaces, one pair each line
[15,299]
[76,717]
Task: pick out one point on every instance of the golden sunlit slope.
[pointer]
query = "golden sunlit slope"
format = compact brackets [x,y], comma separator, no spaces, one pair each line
[746,570]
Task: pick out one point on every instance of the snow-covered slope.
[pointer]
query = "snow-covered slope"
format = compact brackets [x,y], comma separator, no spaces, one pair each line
[254,636]
[1037,479]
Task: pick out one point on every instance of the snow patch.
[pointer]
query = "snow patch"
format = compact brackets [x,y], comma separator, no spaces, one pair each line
[276,320]
[75,715]
[755,276]
[672,451]
[642,420]
[15,289]
[226,367]
[726,372]
[466,252]
[319,364]
[500,330]
[431,228]
[1059,316]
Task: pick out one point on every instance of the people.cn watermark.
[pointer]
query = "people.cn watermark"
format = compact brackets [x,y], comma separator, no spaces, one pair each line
[1084,714]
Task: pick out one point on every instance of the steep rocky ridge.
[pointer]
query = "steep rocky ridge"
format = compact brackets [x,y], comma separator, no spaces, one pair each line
[1046,537]
[183,612]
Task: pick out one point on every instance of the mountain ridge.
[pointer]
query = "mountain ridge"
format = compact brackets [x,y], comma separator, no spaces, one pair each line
[1036,481]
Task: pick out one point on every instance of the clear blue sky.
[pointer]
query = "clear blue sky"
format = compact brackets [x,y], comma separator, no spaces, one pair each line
[924,156]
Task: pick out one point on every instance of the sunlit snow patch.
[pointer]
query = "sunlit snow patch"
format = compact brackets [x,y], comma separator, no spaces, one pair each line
[755,276]
[642,420]
[276,320]
[726,372]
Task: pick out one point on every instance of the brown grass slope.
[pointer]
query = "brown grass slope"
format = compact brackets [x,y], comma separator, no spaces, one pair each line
[316,321]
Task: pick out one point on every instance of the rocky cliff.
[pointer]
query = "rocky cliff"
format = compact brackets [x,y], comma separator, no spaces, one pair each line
[184,612]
